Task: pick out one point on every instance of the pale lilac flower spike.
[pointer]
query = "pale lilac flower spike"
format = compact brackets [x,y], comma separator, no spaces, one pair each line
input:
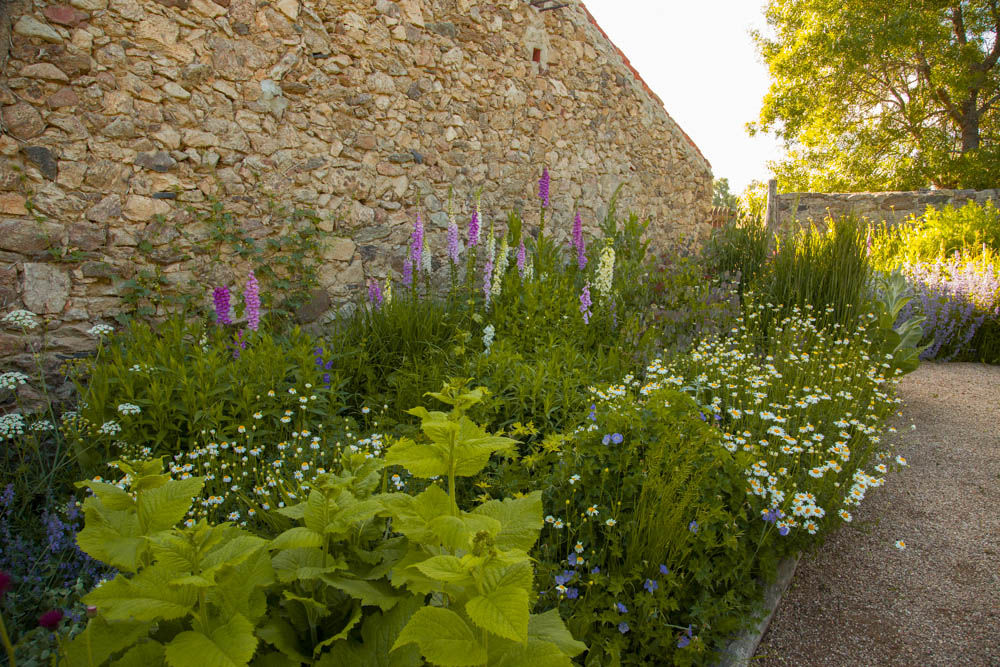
[251,299]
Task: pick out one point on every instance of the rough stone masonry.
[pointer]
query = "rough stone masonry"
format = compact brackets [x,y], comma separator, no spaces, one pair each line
[116,112]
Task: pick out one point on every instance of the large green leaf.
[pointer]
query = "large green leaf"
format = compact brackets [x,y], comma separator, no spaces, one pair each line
[370,593]
[163,508]
[230,645]
[534,652]
[242,589]
[303,563]
[456,532]
[297,538]
[444,638]
[111,497]
[549,627]
[320,511]
[148,596]
[102,639]
[520,520]
[111,536]
[424,460]
[411,514]
[503,611]
[448,569]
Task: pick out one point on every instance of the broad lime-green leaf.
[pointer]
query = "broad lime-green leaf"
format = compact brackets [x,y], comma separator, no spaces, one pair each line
[320,511]
[549,627]
[441,431]
[411,514]
[147,596]
[241,589]
[298,537]
[519,574]
[456,532]
[370,593]
[503,611]
[299,563]
[444,638]
[293,511]
[111,536]
[162,508]
[102,639]
[424,460]
[534,652]
[110,496]
[443,568]
[230,645]
[520,520]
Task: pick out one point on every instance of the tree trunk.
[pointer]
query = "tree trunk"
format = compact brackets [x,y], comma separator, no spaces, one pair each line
[970,125]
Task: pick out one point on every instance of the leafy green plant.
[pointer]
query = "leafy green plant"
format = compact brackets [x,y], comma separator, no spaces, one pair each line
[900,340]
[230,596]
[160,387]
[475,563]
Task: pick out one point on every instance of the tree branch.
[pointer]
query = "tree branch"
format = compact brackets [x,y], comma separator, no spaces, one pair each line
[938,92]
[959,24]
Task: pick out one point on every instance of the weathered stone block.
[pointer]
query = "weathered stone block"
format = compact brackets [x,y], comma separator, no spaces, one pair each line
[46,288]
[23,121]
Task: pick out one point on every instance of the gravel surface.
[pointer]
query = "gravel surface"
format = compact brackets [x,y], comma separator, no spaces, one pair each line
[857,600]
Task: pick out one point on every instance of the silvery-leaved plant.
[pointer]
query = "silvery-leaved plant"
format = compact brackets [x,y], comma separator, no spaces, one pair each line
[475,564]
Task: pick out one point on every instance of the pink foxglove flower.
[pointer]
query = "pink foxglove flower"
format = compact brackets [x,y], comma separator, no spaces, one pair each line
[221,298]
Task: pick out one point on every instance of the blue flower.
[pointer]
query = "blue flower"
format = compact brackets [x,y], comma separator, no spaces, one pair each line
[693,526]
[572,593]
[623,627]
[617,438]
[621,608]
[596,570]
[606,440]
[783,530]
[651,585]
[565,577]
[685,638]
[593,412]
[664,569]
[702,415]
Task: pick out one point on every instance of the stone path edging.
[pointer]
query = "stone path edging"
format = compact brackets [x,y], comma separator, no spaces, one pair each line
[740,650]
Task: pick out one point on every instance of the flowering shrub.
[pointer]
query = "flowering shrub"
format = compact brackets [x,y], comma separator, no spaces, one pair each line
[955,297]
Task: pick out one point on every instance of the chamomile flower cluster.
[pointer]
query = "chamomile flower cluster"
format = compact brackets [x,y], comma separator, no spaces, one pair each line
[272,460]
[808,419]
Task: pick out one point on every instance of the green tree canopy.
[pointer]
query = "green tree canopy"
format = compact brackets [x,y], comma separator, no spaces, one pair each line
[883,94]
[721,196]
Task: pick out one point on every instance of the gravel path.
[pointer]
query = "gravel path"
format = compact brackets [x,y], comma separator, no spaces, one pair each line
[858,600]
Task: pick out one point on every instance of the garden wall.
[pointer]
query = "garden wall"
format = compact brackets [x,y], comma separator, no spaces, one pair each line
[116,112]
[892,207]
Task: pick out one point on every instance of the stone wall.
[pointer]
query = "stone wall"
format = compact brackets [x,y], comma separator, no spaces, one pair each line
[117,112]
[891,207]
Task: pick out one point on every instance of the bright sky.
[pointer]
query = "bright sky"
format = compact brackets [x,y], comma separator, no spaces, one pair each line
[699,58]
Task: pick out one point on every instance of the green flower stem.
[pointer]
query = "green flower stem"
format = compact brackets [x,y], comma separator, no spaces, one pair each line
[6,643]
